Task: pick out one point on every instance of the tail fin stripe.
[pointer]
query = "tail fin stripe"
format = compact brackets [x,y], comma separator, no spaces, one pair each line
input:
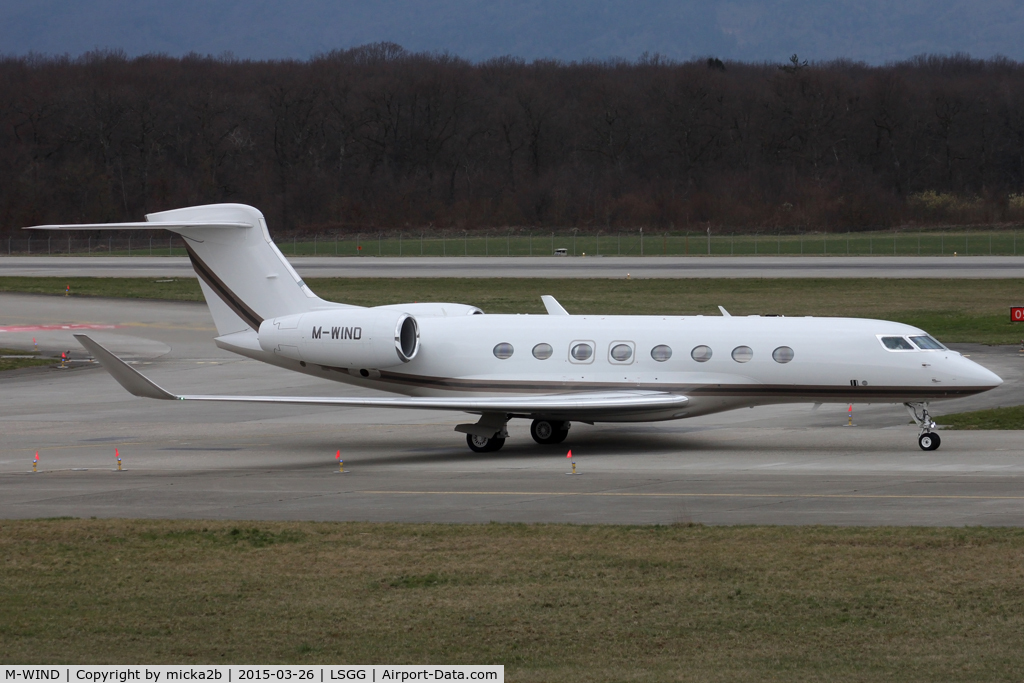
[223,291]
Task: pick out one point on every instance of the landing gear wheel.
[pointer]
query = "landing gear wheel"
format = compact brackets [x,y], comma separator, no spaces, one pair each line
[548,432]
[542,431]
[483,444]
[929,441]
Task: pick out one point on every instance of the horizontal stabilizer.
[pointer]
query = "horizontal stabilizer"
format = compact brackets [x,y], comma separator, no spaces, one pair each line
[140,225]
[575,403]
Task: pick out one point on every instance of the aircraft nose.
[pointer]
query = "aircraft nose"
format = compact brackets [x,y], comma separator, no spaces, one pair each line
[982,376]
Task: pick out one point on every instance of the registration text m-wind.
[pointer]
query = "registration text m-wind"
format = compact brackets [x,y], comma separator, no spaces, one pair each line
[33,675]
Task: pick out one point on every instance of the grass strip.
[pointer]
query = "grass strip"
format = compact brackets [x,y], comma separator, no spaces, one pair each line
[994,418]
[550,602]
[18,363]
[953,310]
[185,289]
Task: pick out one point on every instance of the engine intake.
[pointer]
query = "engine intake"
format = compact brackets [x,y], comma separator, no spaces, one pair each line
[347,338]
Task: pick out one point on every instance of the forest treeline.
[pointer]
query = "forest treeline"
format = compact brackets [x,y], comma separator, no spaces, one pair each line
[377,138]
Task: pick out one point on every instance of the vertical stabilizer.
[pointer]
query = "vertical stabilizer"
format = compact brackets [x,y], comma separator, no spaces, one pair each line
[244,276]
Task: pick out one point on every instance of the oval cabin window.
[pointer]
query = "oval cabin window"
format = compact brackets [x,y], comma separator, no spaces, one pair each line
[542,351]
[701,354]
[742,354]
[622,352]
[582,352]
[661,353]
[503,350]
[783,354]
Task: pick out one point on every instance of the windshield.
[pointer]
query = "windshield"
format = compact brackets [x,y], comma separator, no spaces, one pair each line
[927,343]
[897,344]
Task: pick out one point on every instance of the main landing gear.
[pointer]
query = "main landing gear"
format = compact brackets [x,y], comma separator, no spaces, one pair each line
[926,438]
[549,431]
[489,434]
[484,444]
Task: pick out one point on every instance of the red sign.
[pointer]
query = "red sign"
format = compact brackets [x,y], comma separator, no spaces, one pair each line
[1017,314]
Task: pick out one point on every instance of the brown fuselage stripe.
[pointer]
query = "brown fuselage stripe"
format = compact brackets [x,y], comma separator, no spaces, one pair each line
[223,291]
[783,391]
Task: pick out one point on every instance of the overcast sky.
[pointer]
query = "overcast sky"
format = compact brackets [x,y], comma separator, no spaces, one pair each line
[874,31]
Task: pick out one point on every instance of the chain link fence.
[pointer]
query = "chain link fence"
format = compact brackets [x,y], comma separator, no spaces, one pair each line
[558,243]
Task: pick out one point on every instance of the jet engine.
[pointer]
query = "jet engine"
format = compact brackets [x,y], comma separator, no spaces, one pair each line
[346,338]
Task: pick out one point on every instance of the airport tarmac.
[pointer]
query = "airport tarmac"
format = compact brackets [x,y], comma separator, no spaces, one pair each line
[549,267]
[773,465]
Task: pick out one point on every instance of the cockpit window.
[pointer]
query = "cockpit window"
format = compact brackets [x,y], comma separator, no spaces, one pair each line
[927,343]
[897,344]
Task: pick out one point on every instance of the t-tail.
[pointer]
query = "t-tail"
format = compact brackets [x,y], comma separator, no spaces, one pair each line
[244,276]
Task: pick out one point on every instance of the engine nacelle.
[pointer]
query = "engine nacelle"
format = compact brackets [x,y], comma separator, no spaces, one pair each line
[435,310]
[346,338]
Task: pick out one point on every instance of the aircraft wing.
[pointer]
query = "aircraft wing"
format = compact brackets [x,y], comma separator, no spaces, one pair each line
[574,403]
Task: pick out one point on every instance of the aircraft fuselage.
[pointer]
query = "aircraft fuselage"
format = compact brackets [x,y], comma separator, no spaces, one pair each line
[719,363]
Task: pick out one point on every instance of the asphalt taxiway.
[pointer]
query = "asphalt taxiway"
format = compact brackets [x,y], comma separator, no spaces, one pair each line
[778,465]
[549,267]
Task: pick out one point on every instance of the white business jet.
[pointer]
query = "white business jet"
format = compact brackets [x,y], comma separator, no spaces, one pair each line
[553,369]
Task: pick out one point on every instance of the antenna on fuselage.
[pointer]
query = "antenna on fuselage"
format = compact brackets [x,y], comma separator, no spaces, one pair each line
[725,313]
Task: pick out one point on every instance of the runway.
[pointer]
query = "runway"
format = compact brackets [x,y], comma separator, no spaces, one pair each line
[549,267]
[780,465]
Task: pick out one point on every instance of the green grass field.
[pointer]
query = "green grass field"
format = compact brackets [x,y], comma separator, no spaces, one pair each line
[953,310]
[17,363]
[994,418]
[550,602]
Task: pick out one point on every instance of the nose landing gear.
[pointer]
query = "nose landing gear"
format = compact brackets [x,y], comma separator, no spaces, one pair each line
[926,438]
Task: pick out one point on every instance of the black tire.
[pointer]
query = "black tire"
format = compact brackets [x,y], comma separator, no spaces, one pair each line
[542,431]
[929,441]
[560,435]
[481,444]
[548,432]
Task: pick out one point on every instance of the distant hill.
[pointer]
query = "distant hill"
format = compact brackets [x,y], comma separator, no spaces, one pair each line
[874,31]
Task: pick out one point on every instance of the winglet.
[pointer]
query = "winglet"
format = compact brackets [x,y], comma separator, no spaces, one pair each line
[126,376]
[552,305]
